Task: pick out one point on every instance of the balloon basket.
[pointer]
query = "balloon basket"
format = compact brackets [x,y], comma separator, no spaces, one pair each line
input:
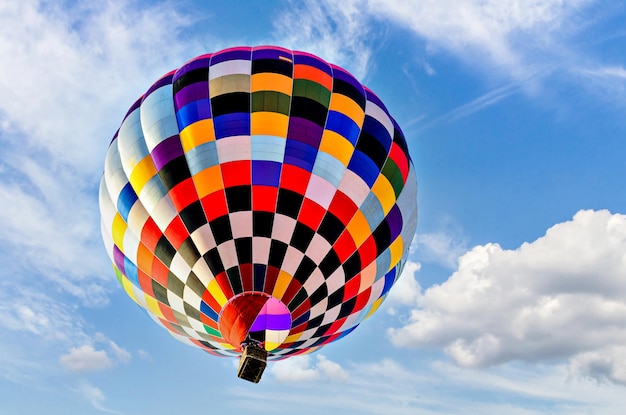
[252,363]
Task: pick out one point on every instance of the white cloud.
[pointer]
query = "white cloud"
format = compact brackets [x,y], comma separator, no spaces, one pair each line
[69,69]
[85,359]
[94,395]
[28,311]
[562,296]
[440,247]
[505,33]
[406,290]
[337,31]
[305,368]
[405,386]
[606,72]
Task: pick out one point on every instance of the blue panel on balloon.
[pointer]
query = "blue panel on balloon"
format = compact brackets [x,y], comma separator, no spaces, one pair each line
[192,112]
[208,311]
[363,166]
[389,280]
[130,270]
[299,154]
[302,319]
[343,125]
[230,125]
[126,201]
[265,173]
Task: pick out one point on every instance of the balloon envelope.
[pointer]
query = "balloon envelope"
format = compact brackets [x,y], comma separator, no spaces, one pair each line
[258,194]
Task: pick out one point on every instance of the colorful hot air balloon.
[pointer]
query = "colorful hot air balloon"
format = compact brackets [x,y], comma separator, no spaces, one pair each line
[258,196]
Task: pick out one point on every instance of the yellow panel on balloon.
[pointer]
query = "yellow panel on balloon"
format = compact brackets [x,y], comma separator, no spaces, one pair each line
[199,132]
[142,173]
[269,123]
[385,193]
[271,82]
[337,146]
[208,181]
[347,107]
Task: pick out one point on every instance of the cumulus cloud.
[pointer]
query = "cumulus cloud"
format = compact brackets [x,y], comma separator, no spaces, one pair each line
[305,368]
[87,358]
[559,297]
[407,290]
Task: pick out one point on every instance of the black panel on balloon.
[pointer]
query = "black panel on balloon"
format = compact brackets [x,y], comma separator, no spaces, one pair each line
[262,223]
[229,103]
[243,246]
[318,295]
[221,229]
[160,292]
[195,284]
[302,237]
[278,66]
[174,172]
[347,307]
[352,266]
[321,330]
[372,148]
[278,250]
[193,216]
[309,110]
[189,252]
[382,237]
[191,311]
[289,203]
[329,264]
[191,77]
[214,261]
[298,299]
[315,322]
[335,298]
[306,267]
[330,228]
[347,89]
[175,285]
[234,277]
[239,198]
[164,251]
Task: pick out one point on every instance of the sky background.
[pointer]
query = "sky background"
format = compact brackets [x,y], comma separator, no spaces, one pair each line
[514,297]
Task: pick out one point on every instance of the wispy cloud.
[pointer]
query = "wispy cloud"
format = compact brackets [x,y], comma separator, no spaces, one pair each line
[436,387]
[518,37]
[334,30]
[68,69]
[94,395]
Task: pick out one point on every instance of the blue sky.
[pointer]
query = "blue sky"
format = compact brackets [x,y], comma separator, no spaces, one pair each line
[514,297]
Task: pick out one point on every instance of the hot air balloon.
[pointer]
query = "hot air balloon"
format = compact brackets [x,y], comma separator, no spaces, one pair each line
[258,203]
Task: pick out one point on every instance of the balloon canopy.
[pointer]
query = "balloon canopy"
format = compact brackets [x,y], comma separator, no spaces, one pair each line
[258,194]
